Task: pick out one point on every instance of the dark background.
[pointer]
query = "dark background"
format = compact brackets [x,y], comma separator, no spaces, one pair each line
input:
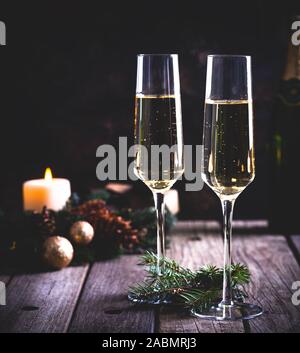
[68,82]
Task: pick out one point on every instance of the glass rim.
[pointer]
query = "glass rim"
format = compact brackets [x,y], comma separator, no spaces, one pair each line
[229,56]
[158,54]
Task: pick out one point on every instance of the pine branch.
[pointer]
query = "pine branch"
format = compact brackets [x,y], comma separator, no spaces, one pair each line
[196,289]
[150,259]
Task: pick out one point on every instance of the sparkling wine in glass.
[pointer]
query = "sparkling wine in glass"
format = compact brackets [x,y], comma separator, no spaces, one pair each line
[228,159]
[158,138]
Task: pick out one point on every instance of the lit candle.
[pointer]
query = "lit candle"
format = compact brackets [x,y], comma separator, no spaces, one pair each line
[50,192]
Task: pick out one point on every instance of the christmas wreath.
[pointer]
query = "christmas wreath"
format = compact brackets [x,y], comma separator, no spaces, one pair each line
[86,230]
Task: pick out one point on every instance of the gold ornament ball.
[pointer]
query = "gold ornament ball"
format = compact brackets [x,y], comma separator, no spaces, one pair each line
[82,232]
[57,252]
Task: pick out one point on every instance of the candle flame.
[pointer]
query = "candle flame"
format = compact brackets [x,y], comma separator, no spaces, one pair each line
[48,174]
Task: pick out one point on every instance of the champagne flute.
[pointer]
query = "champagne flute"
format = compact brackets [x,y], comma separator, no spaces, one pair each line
[158,138]
[228,159]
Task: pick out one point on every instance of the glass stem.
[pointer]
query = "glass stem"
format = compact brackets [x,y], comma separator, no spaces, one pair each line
[160,218]
[227,206]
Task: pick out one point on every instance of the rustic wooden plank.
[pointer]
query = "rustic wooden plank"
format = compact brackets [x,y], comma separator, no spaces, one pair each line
[103,306]
[250,224]
[42,302]
[192,248]
[274,269]
[260,225]
[264,255]
[187,227]
[246,227]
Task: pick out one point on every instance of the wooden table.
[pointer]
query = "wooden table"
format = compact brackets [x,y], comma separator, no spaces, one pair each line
[93,298]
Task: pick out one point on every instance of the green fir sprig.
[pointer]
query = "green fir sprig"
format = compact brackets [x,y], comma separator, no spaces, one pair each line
[193,289]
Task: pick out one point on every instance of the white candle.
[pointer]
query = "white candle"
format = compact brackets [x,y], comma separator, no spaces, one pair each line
[172,201]
[50,192]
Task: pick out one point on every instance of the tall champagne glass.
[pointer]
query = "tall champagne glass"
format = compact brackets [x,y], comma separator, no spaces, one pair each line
[158,137]
[228,159]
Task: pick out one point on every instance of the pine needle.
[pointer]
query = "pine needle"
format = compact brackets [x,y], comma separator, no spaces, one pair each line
[193,289]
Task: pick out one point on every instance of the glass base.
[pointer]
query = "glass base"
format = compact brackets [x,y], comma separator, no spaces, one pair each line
[154,300]
[237,311]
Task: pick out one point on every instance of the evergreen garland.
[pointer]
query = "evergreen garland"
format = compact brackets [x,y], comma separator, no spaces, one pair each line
[23,233]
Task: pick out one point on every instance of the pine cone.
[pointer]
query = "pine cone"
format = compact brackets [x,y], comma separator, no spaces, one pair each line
[107,223]
[91,210]
[45,223]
